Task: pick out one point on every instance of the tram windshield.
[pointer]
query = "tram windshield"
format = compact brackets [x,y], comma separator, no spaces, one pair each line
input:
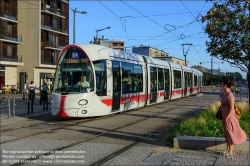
[74,73]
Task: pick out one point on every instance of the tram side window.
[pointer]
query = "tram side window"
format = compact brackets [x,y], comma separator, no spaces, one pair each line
[127,73]
[153,77]
[177,79]
[138,79]
[101,77]
[195,80]
[160,79]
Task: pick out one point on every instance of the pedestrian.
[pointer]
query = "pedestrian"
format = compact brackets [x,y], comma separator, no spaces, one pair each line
[232,131]
[31,87]
[44,92]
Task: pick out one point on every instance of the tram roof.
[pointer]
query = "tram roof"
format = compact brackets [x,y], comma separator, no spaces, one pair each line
[96,52]
[186,68]
[155,61]
[197,71]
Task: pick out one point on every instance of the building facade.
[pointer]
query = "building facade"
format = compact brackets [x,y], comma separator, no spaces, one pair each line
[43,27]
[115,44]
[10,59]
[202,69]
[176,60]
[149,51]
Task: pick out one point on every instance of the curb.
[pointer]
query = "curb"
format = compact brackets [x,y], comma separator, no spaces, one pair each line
[207,143]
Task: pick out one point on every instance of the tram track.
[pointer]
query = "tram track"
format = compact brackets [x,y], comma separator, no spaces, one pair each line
[61,125]
[127,147]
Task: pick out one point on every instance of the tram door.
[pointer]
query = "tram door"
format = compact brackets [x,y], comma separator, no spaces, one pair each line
[185,83]
[153,84]
[167,84]
[117,86]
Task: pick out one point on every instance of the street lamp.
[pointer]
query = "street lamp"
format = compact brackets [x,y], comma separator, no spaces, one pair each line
[74,24]
[185,53]
[97,30]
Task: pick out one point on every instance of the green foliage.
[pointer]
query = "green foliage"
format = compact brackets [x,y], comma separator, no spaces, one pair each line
[228,28]
[205,124]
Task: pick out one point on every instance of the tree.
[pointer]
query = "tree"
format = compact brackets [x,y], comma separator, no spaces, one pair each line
[237,76]
[228,27]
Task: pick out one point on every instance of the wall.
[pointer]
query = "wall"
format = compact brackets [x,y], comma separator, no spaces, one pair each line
[10,75]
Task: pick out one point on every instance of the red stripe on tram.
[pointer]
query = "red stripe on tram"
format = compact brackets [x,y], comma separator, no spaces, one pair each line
[62,112]
[108,102]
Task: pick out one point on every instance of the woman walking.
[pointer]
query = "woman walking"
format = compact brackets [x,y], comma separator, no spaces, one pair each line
[232,130]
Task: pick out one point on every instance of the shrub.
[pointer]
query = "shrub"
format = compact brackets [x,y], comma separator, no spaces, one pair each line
[205,124]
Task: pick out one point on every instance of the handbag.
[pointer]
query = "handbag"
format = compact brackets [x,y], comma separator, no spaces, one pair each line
[218,114]
[237,112]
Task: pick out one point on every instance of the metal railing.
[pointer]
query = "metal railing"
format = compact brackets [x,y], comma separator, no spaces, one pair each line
[12,106]
[54,28]
[10,16]
[11,37]
[52,44]
[16,58]
[9,106]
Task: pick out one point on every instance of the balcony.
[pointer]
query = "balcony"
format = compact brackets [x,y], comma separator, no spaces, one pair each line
[11,38]
[53,29]
[9,17]
[54,11]
[12,58]
[53,46]
[48,60]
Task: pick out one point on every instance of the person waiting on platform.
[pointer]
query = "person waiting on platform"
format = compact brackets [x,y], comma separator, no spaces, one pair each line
[31,87]
[44,92]
[84,83]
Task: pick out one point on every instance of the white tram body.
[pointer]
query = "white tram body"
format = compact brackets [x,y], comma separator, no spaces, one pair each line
[118,81]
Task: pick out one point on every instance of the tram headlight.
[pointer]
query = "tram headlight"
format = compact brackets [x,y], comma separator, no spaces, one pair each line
[83,102]
[84,111]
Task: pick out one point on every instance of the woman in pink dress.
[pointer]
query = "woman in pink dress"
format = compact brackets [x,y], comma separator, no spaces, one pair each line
[232,130]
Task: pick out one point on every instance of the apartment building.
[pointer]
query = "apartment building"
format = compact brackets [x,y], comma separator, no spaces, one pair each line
[115,44]
[10,39]
[42,27]
[149,51]
[175,60]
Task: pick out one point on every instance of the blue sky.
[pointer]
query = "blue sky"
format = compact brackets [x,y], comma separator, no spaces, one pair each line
[164,25]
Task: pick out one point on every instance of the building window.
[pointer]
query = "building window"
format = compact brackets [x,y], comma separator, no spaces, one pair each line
[9,51]
[42,20]
[10,9]
[9,30]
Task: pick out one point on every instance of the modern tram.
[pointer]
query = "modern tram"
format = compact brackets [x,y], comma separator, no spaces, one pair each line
[117,81]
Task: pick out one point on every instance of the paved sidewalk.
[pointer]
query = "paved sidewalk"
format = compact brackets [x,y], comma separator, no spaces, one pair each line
[21,108]
[171,156]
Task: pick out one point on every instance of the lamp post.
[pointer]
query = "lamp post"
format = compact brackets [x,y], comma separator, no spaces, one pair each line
[185,53]
[74,24]
[98,30]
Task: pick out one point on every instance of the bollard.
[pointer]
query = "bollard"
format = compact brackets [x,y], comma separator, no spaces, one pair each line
[13,108]
[45,100]
[29,103]
[9,106]
[23,93]
[32,101]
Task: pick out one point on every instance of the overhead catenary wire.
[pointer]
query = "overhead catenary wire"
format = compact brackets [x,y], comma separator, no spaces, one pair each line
[116,16]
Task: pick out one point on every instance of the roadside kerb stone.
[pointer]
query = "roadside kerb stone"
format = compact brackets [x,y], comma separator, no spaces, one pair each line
[206,143]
